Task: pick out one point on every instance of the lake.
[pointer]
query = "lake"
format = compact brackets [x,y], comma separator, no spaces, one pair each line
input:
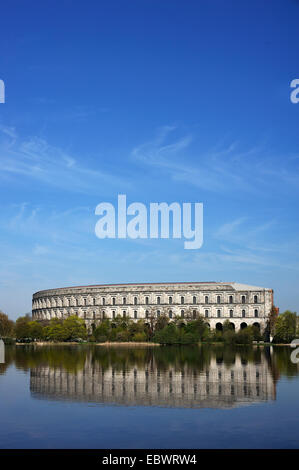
[207,396]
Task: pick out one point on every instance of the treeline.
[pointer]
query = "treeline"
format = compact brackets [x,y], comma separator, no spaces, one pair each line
[197,331]
[27,330]
[160,330]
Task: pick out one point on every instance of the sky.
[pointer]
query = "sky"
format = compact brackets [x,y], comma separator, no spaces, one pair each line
[163,101]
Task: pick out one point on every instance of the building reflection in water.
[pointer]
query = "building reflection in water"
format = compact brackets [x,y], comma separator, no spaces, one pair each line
[148,381]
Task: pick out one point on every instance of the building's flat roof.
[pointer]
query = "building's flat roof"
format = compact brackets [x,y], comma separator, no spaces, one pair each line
[235,285]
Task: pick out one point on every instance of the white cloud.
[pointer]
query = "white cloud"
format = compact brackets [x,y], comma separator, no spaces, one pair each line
[35,159]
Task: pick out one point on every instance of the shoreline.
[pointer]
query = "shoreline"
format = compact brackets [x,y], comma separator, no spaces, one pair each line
[137,344]
[74,343]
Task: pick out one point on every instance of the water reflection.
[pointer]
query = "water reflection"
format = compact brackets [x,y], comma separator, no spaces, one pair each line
[206,377]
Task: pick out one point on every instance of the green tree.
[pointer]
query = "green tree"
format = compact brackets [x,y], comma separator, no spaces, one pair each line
[285,328]
[6,325]
[55,331]
[35,330]
[22,328]
[74,328]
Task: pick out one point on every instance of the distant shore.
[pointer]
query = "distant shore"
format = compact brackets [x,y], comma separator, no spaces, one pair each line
[72,343]
[134,344]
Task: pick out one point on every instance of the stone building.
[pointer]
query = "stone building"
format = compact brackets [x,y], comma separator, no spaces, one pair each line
[241,304]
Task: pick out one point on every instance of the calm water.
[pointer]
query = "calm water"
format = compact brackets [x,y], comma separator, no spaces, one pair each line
[188,397]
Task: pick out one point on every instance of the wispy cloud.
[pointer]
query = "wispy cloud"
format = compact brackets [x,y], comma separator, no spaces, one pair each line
[222,168]
[35,159]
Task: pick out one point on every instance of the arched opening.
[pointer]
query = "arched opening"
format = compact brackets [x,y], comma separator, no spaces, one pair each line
[208,325]
[257,325]
[194,314]
[243,326]
[219,327]
[232,326]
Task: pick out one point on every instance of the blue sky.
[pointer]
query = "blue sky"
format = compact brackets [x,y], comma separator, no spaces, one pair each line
[161,101]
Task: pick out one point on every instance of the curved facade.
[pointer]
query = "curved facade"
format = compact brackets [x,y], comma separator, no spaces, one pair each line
[241,304]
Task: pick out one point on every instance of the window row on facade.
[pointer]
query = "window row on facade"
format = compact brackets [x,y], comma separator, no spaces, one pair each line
[146,300]
[193,314]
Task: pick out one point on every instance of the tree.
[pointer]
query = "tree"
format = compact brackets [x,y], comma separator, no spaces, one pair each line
[22,328]
[6,325]
[55,331]
[74,328]
[35,330]
[270,327]
[285,328]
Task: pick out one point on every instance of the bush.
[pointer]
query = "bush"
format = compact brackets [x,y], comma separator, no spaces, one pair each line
[244,336]
[139,337]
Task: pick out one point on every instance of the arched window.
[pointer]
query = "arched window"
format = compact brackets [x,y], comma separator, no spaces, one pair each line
[182,313]
[124,314]
[207,313]
[124,301]
[135,314]
[103,314]
[243,314]
[146,300]
[170,300]
[256,313]
[103,300]
[194,299]
[113,313]
[113,300]
[85,301]
[146,314]
[231,300]
[170,313]
[194,314]
[158,300]
[218,313]
[206,299]
[135,300]
[182,300]
[158,313]
[255,299]
[243,299]
[231,314]
[218,299]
